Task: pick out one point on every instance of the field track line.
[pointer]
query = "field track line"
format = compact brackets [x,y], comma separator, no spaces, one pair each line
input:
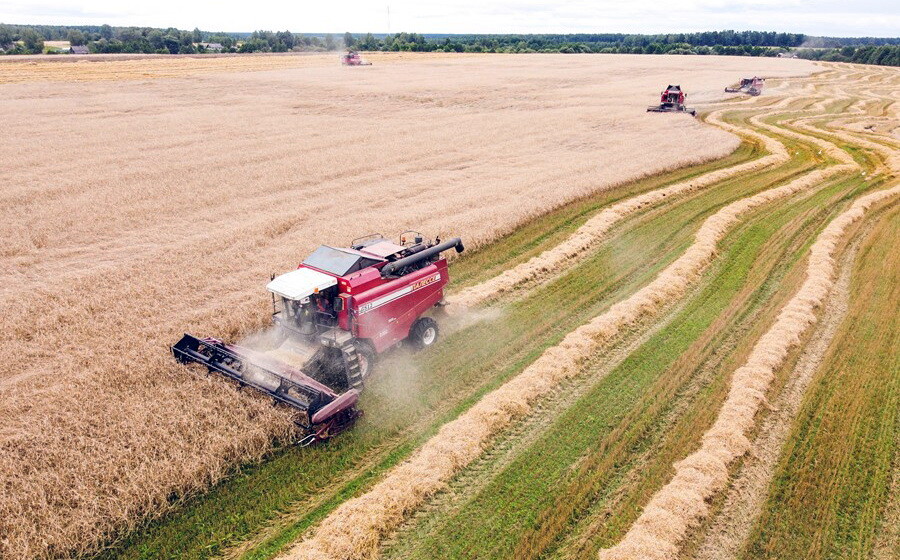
[745,496]
[525,433]
[355,528]
[551,261]
[680,504]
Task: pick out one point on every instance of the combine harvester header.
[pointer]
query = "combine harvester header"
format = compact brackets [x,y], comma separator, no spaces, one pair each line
[339,309]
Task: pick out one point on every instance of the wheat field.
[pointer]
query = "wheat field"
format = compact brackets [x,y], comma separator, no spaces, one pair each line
[143,198]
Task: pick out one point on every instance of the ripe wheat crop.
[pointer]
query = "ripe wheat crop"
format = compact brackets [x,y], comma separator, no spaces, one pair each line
[143,198]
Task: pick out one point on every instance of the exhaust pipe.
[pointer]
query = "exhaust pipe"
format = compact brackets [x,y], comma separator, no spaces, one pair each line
[392,267]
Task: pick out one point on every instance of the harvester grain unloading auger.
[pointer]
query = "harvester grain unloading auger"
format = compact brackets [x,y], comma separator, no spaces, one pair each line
[349,305]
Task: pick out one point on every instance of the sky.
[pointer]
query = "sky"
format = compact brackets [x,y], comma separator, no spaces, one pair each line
[840,18]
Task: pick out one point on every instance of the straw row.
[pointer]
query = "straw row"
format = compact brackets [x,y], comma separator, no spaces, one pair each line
[592,232]
[683,501]
[355,529]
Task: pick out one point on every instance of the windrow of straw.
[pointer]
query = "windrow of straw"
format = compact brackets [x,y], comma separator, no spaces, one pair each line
[355,529]
[682,502]
[592,232]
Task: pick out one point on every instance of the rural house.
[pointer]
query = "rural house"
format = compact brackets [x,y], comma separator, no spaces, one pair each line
[79,49]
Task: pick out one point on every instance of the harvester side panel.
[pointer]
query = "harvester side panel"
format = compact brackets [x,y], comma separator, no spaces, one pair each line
[385,314]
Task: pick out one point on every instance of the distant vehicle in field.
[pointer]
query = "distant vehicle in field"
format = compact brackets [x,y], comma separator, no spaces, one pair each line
[340,309]
[352,58]
[672,101]
[751,86]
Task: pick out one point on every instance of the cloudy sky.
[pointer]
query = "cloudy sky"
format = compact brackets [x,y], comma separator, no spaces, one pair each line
[814,17]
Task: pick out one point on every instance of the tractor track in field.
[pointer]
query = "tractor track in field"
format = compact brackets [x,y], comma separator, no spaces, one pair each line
[745,496]
[526,432]
[674,509]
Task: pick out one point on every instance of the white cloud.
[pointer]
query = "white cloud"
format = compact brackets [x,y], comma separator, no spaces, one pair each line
[823,17]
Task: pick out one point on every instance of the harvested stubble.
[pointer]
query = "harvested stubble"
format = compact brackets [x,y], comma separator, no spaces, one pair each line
[682,502]
[354,529]
[595,228]
[176,203]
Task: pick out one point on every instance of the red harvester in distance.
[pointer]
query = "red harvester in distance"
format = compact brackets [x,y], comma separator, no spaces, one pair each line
[671,101]
[752,86]
[345,306]
[352,58]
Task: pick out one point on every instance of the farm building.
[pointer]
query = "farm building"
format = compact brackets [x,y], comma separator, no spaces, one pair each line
[79,49]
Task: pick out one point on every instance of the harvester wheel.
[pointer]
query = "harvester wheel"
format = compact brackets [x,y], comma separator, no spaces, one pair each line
[424,333]
[365,354]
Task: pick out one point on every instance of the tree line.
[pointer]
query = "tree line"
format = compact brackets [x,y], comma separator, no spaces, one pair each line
[868,50]
[884,55]
[16,39]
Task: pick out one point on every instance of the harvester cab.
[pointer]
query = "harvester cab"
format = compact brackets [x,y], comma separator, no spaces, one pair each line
[336,313]
[672,101]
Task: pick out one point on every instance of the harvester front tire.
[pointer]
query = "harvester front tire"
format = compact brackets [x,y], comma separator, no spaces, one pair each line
[366,357]
[424,333]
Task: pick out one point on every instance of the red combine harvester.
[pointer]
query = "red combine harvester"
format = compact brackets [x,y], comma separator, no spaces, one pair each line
[340,308]
[352,58]
[671,101]
[752,86]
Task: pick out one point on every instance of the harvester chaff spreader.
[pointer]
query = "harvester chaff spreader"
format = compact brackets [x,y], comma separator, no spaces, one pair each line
[672,101]
[336,312]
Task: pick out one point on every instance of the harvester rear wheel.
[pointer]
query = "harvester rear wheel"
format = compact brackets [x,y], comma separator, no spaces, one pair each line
[424,333]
